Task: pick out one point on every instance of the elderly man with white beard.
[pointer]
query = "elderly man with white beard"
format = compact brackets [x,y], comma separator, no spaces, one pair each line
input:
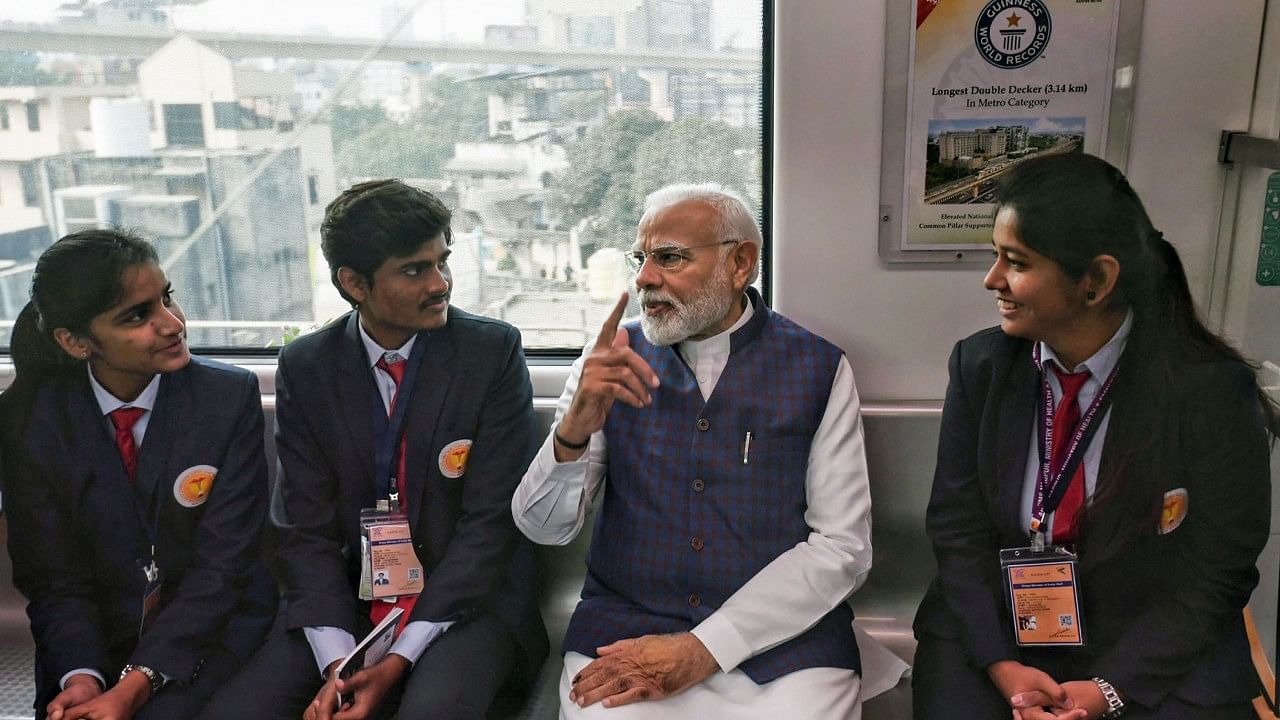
[735,522]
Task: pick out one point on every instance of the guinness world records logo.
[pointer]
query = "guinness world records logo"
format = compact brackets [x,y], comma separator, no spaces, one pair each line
[1012,33]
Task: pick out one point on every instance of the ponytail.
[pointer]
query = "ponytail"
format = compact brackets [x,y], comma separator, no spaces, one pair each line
[37,358]
[1185,335]
[1189,337]
[36,355]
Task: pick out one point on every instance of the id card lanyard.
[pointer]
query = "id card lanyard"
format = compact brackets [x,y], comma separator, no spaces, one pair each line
[1042,581]
[389,566]
[388,431]
[1050,486]
[153,578]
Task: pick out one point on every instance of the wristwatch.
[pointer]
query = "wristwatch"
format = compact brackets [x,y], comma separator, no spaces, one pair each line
[1115,706]
[153,677]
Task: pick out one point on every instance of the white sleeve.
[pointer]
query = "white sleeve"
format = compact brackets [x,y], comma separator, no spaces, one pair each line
[83,671]
[328,644]
[416,637]
[800,586]
[551,503]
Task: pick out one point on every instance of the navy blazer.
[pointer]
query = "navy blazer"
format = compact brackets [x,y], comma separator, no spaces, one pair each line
[472,385]
[78,531]
[1164,615]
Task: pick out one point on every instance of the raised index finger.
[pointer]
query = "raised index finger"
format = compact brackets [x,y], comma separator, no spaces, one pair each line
[610,328]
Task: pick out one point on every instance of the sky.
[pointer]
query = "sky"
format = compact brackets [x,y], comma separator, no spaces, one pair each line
[1045,125]
[736,21]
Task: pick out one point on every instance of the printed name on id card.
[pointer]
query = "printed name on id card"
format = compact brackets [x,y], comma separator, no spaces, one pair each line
[1044,597]
[391,563]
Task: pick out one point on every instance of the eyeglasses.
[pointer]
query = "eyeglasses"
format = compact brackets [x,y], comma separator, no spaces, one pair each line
[669,257]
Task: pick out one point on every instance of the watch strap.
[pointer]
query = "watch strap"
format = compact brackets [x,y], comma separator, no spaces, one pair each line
[572,446]
[153,677]
[1115,706]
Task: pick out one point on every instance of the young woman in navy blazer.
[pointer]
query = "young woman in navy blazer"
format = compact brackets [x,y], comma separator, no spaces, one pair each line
[1080,275]
[89,535]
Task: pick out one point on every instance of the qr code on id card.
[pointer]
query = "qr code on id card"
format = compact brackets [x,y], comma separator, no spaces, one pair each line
[1066,621]
[415,573]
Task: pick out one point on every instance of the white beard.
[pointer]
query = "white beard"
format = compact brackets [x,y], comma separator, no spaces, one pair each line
[686,319]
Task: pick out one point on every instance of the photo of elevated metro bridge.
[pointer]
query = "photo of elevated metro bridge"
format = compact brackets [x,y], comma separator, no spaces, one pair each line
[964,158]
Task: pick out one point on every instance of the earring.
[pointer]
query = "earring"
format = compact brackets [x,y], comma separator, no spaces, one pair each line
[1091,295]
[84,355]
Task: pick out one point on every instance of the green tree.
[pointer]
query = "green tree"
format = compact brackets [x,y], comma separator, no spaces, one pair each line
[393,150]
[454,109]
[598,182]
[695,150]
[350,121]
[369,144]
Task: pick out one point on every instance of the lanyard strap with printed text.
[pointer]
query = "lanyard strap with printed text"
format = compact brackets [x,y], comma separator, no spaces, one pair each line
[387,431]
[150,522]
[1050,486]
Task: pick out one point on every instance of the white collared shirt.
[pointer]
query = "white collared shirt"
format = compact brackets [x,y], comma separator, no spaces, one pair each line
[375,352]
[331,643]
[1099,365]
[109,403]
[707,357]
[799,586]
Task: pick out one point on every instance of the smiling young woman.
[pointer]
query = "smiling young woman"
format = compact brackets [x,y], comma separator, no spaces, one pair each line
[1100,418]
[135,487]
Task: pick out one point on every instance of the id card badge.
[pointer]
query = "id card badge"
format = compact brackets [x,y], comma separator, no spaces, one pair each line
[150,593]
[387,556]
[1044,596]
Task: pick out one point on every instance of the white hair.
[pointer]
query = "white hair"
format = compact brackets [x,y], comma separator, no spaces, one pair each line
[734,219]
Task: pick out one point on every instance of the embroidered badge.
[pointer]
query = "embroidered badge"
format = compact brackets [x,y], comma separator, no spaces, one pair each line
[1174,510]
[192,487]
[453,458]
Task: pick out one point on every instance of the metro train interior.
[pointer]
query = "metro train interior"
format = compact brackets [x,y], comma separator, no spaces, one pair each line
[220,129]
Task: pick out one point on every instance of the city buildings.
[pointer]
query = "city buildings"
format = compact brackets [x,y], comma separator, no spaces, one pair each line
[201,156]
[222,151]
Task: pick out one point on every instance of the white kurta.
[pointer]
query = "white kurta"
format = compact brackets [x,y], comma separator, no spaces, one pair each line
[785,598]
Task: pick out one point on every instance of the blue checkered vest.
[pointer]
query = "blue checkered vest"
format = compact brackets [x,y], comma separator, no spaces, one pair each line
[684,522]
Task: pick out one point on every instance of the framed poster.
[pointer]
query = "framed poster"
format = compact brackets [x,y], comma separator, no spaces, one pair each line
[972,88]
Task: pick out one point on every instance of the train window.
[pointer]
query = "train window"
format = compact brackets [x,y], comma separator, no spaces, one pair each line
[220,129]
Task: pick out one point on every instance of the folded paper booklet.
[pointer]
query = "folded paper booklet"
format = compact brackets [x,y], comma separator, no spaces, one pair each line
[373,647]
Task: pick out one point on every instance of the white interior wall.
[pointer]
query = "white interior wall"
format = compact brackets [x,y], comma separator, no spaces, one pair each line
[1195,77]
[1252,312]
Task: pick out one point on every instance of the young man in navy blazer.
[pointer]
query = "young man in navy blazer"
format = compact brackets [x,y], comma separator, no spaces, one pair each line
[468,435]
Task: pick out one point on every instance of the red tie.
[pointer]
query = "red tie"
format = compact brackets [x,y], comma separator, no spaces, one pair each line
[1065,420]
[380,608]
[124,419]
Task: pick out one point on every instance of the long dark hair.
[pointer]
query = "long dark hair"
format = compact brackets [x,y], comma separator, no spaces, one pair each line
[1073,208]
[77,278]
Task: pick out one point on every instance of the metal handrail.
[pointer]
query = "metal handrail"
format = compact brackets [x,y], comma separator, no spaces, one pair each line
[1241,147]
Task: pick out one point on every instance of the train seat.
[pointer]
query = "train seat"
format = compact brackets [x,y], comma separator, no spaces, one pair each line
[900,451]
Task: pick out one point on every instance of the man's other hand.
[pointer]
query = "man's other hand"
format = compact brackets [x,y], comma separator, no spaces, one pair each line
[645,668]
